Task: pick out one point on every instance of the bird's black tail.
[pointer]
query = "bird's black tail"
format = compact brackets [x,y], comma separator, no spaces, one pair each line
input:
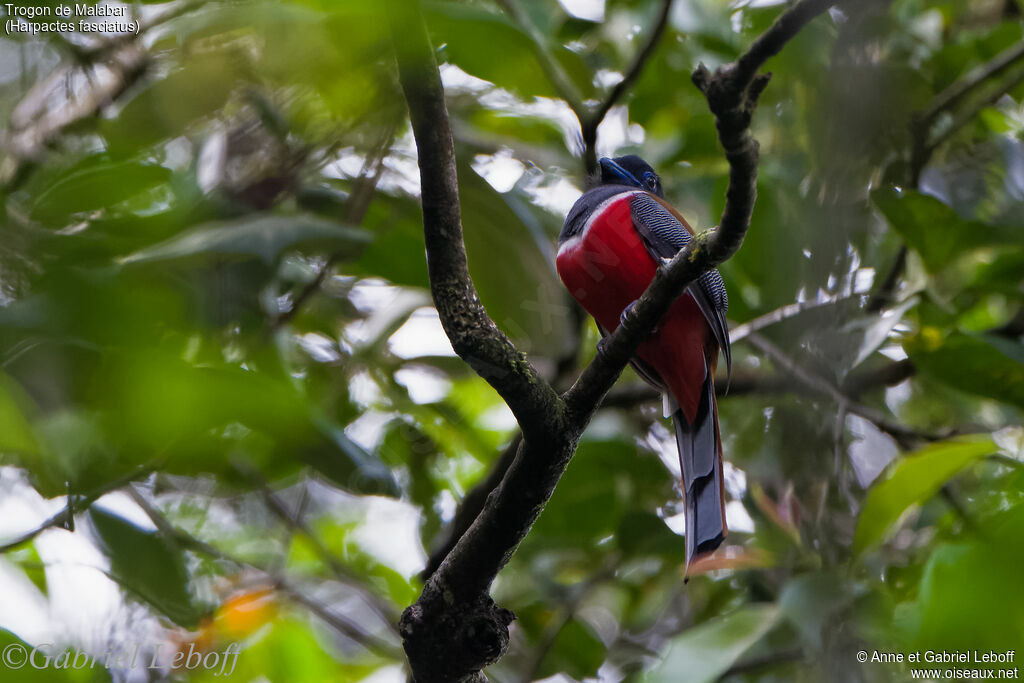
[700,456]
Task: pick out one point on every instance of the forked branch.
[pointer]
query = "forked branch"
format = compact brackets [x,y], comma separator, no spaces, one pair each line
[454,629]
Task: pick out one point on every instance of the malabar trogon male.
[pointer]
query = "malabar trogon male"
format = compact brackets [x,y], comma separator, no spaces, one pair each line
[610,247]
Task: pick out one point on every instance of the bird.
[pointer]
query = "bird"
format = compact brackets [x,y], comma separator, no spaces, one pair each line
[613,240]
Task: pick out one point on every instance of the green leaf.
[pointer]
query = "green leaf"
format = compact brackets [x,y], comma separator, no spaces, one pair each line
[16,653]
[641,532]
[703,653]
[912,480]
[506,244]
[489,46]
[811,602]
[197,86]
[988,366]
[358,471]
[158,399]
[16,435]
[964,600]
[576,653]
[95,183]
[27,557]
[934,230]
[264,237]
[877,329]
[397,250]
[197,415]
[292,651]
[605,479]
[75,454]
[148,565]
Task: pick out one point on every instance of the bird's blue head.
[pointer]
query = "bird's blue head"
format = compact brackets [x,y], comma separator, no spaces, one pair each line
[630,170]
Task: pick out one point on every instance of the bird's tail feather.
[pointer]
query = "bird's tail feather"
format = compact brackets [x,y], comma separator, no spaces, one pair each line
[700,456]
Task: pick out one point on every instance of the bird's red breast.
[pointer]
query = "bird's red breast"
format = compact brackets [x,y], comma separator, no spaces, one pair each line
[606,267]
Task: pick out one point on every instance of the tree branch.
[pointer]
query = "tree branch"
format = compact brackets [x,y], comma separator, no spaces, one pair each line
[473,502]
[474,336]
[771,42]
[470,507]
[454,629]
[635,394]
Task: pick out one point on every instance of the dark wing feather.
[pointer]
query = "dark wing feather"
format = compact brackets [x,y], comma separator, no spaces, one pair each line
[664,236]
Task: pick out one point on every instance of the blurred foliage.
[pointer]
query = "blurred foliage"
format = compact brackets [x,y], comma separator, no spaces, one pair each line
[213,298]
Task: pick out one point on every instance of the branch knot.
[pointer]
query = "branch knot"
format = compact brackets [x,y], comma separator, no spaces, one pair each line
[454,644]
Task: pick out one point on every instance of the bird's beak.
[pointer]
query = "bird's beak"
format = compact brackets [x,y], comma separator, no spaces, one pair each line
[613,169]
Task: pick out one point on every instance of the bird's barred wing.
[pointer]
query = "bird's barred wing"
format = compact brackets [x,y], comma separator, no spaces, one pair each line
[649,375]
[664,236]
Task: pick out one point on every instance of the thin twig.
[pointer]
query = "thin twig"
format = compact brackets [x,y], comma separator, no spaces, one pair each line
[988,99]
[341,573]
[781,314]
[771,42]
[635,68]
[590,122]
[77,504]
[884,295]
[471,505]
[923,146]
[905,435]
[552,69]
[764,661]
[1003,459]
[579,593]
[888,375]
[358,205]
[956,91]
[590,119]
[338,622]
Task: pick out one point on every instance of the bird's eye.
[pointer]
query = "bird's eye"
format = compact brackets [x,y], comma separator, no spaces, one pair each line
[650,180]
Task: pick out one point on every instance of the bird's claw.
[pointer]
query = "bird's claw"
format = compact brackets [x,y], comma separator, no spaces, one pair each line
[602,343]
[625,312]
